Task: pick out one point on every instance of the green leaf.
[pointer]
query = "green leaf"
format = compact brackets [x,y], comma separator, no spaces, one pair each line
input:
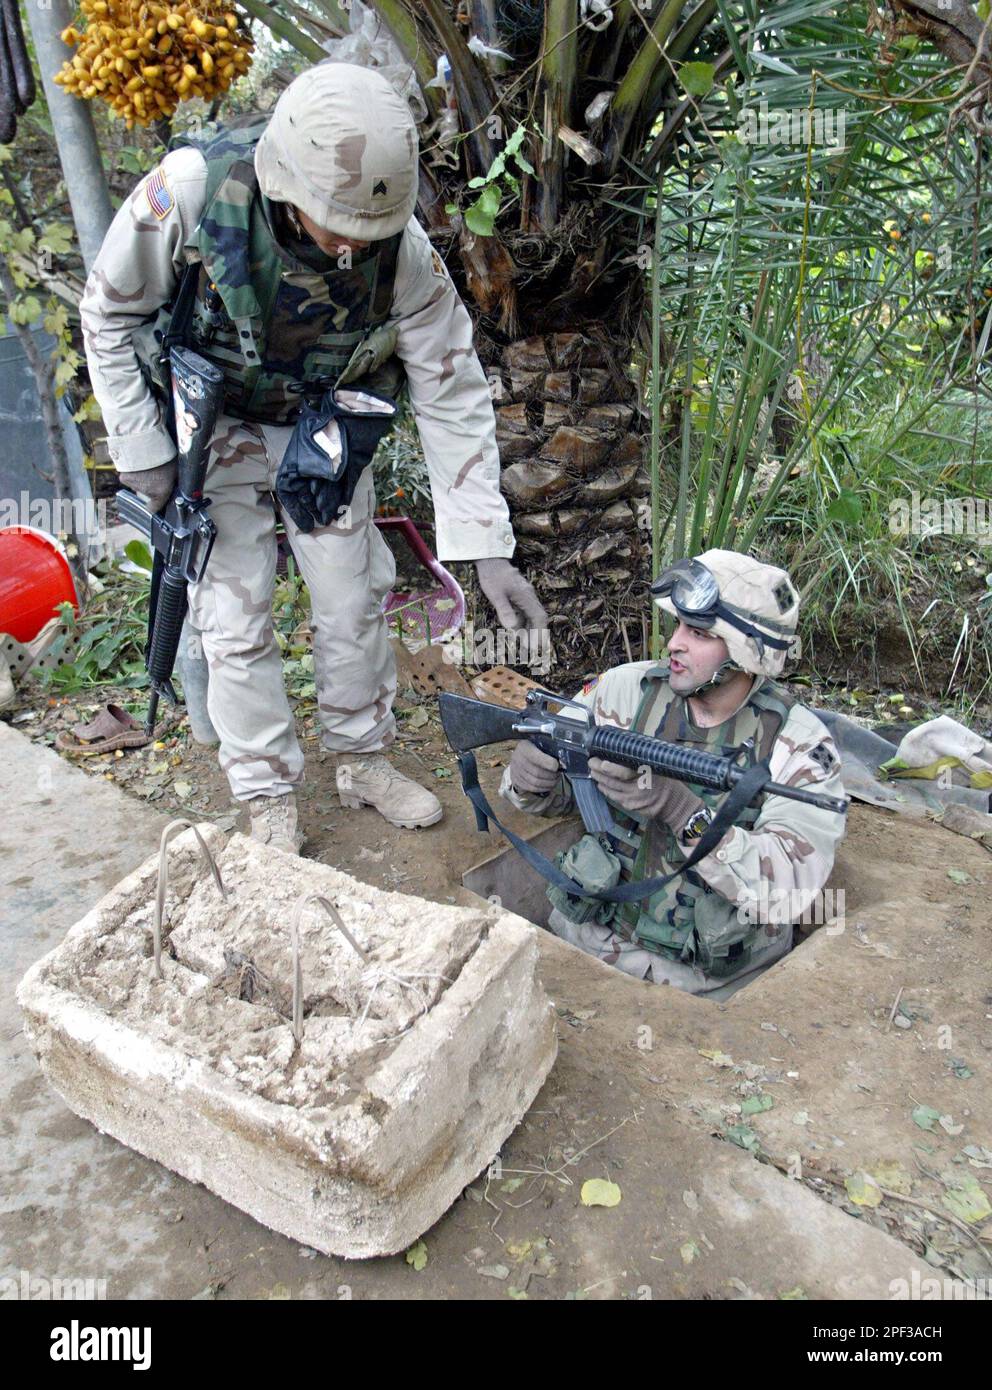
[965,1197]
[417,1255]
[744,1137]
[516,140]
[22,240]
[845,509]
[89,410]
[891,1175]
[139,554]
[754,1105]
[958,876]
[56,237]
[480,218]
[697,78]
[765,60]
[926,1117]
[598,1192]
[26,310]
[57,320]
[733,151]
[863,1190]
[65,372]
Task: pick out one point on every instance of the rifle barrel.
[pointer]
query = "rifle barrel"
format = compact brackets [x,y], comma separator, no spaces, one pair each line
[688,765]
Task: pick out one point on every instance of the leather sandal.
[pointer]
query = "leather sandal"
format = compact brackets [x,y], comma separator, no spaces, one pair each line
[112,728]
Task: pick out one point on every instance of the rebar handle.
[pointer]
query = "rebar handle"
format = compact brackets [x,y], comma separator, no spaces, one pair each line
[163,881]
[294,933]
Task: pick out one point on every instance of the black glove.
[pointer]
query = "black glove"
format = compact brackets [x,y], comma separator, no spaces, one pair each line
[312,484]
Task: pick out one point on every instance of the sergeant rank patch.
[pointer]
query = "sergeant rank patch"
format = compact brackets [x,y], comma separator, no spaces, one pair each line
[822,755]
[160,195]
[437,265]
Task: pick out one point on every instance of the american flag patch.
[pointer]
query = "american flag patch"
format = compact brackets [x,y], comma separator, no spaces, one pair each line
[160,198]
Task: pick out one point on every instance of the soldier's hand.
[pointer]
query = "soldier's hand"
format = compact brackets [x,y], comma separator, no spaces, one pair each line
[531,770]
[645,792]
[517,605]
[156,484]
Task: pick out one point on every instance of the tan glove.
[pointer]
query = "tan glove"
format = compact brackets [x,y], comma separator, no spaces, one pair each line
[157,484]
[518,609]
[513,596]
[531,770]
[655,797]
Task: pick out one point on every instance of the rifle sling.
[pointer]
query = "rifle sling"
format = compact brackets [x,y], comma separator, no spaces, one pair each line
[749,786]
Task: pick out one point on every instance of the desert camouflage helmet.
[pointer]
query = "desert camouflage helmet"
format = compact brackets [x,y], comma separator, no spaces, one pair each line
[755,613]
[341,146]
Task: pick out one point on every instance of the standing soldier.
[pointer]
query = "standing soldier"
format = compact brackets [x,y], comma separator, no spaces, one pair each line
[308,268]
[716,926]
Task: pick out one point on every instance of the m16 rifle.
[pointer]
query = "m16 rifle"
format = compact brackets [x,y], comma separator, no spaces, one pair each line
[566,731]
[181,536]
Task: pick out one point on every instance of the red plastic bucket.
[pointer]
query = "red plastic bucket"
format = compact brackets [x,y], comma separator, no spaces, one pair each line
[34,579]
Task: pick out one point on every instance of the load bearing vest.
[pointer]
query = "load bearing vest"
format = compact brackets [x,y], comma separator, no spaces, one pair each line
[686,920]
[272,324]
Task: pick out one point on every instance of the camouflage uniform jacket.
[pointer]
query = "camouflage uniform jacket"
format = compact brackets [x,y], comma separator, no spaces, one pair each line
[767,872]
[136,272]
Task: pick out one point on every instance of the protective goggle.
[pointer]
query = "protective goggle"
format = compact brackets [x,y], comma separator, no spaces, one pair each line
[692,589]
[695,596]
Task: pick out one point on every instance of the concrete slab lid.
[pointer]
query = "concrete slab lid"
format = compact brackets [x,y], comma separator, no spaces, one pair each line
[353,1146]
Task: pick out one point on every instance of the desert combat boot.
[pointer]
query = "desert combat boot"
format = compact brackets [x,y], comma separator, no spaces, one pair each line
[370,779]
[274,822]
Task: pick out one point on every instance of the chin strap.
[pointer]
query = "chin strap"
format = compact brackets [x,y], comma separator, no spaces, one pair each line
[749,787]
[719,677]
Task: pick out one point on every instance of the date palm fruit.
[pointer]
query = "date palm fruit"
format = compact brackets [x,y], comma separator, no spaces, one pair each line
[142,58]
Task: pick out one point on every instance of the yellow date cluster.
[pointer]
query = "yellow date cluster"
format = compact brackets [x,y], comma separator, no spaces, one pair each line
[144,58]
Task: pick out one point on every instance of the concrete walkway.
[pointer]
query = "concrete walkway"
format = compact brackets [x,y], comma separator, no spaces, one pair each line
[699,1218]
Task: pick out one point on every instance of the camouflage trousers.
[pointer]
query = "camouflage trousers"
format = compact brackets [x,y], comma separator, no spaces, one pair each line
[348,569]
[611,948]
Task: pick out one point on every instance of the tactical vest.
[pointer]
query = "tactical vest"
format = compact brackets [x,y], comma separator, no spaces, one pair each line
[273,325]
[687,920]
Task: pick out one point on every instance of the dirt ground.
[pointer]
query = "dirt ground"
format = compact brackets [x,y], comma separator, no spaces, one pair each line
[818,1068]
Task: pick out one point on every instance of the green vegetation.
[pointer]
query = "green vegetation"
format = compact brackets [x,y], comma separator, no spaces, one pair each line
[823,311]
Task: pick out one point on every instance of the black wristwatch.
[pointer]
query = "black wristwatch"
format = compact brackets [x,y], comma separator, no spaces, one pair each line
[697,824]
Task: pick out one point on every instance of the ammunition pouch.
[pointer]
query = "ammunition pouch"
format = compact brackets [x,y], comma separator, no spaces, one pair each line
[595,867]
[722,938]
